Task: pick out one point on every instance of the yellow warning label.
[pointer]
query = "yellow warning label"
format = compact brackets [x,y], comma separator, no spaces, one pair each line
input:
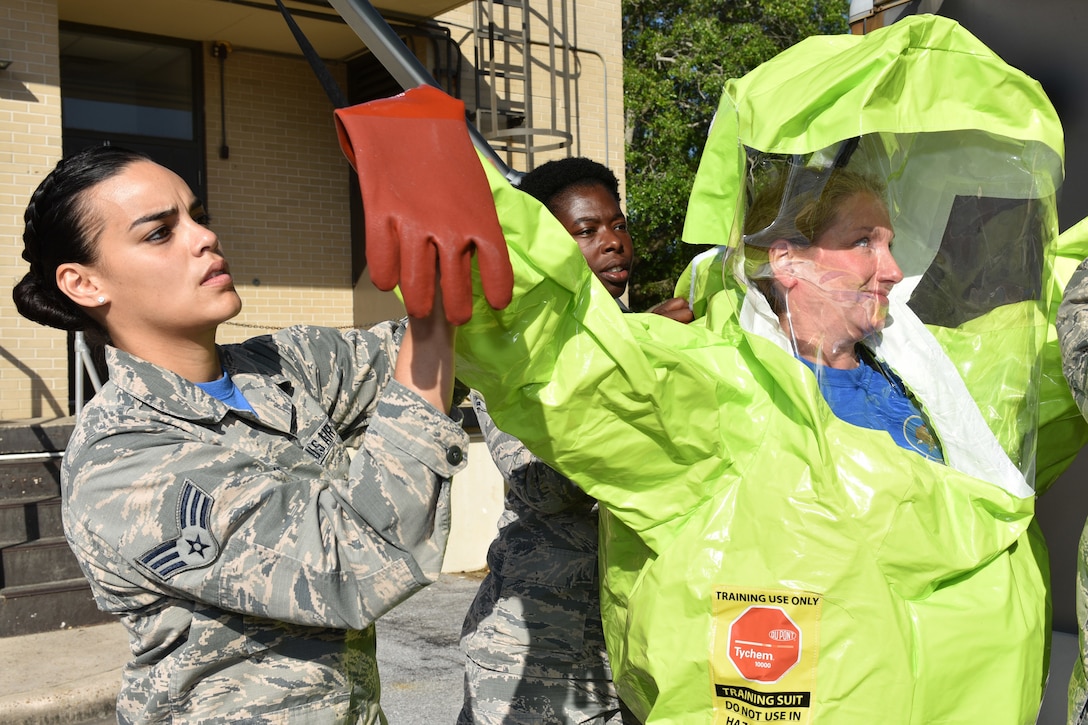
[765,648]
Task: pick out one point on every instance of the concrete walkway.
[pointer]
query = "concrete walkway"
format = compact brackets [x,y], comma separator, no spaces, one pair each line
[65,676]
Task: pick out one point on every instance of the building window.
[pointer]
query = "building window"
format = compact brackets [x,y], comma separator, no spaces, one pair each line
[136,91]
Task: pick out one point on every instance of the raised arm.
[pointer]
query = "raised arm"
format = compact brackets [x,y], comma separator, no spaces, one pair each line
[265,516]
[534,482]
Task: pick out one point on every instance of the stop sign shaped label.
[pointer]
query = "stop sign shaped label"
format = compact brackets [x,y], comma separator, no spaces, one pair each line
[764,644]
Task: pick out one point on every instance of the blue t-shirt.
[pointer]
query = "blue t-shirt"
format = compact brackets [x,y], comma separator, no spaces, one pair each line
[872,396]
[225,390]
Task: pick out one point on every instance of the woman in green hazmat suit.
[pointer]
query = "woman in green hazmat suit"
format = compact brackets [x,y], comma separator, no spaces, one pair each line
[763,559]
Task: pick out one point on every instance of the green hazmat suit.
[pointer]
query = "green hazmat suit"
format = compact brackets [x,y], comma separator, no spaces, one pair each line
[763,560]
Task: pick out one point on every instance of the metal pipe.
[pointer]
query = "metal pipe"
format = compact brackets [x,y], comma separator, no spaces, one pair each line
[30,457]
[78,374]
[84,364]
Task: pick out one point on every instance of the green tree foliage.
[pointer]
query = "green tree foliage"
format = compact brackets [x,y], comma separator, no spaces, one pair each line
[677,56]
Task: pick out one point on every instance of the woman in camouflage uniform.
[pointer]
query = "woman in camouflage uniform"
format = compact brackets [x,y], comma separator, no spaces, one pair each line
[533,639]
[208,492]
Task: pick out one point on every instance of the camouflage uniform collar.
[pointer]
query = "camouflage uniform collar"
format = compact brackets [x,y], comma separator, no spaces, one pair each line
[267,389]
[172,394]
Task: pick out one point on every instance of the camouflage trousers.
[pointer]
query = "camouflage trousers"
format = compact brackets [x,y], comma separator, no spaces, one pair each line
[503,698]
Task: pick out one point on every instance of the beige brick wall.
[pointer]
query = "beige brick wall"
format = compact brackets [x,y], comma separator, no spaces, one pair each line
[280,201]
[33,359]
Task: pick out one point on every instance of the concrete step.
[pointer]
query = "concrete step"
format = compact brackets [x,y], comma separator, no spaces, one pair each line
[36,435]
[41,585]
[30,457]
[47,514]
[28,519]
[47,607]
[38,562]
[29,476]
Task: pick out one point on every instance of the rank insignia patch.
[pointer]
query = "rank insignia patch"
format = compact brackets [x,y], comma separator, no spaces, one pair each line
[195,547]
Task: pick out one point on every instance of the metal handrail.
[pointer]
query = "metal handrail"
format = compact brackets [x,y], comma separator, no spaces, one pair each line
[84,364]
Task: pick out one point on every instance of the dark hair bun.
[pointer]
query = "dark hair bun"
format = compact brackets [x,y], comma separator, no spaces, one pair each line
[55,233]
[39,303]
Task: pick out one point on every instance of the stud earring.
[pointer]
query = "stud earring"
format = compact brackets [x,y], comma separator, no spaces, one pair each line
[101,300]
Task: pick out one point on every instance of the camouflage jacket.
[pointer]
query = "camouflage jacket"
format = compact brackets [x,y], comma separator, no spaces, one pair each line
[1072,325]
[246,554]
[538,611]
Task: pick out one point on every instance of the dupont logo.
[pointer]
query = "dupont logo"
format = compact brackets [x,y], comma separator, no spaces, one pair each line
[764,644]
[782,635]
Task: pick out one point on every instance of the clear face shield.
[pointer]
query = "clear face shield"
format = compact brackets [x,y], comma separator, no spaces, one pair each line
[886,243]
[818,245]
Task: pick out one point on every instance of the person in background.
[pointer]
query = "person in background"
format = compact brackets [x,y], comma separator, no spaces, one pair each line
[533,637]
[207,489]
[1072,326]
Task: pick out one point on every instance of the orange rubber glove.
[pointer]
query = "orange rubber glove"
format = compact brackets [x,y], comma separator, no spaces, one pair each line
[426,200]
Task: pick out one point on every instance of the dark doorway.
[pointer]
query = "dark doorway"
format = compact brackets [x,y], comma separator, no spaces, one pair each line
[137,91]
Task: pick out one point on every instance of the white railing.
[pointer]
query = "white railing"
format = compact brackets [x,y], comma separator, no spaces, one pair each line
[84,364]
